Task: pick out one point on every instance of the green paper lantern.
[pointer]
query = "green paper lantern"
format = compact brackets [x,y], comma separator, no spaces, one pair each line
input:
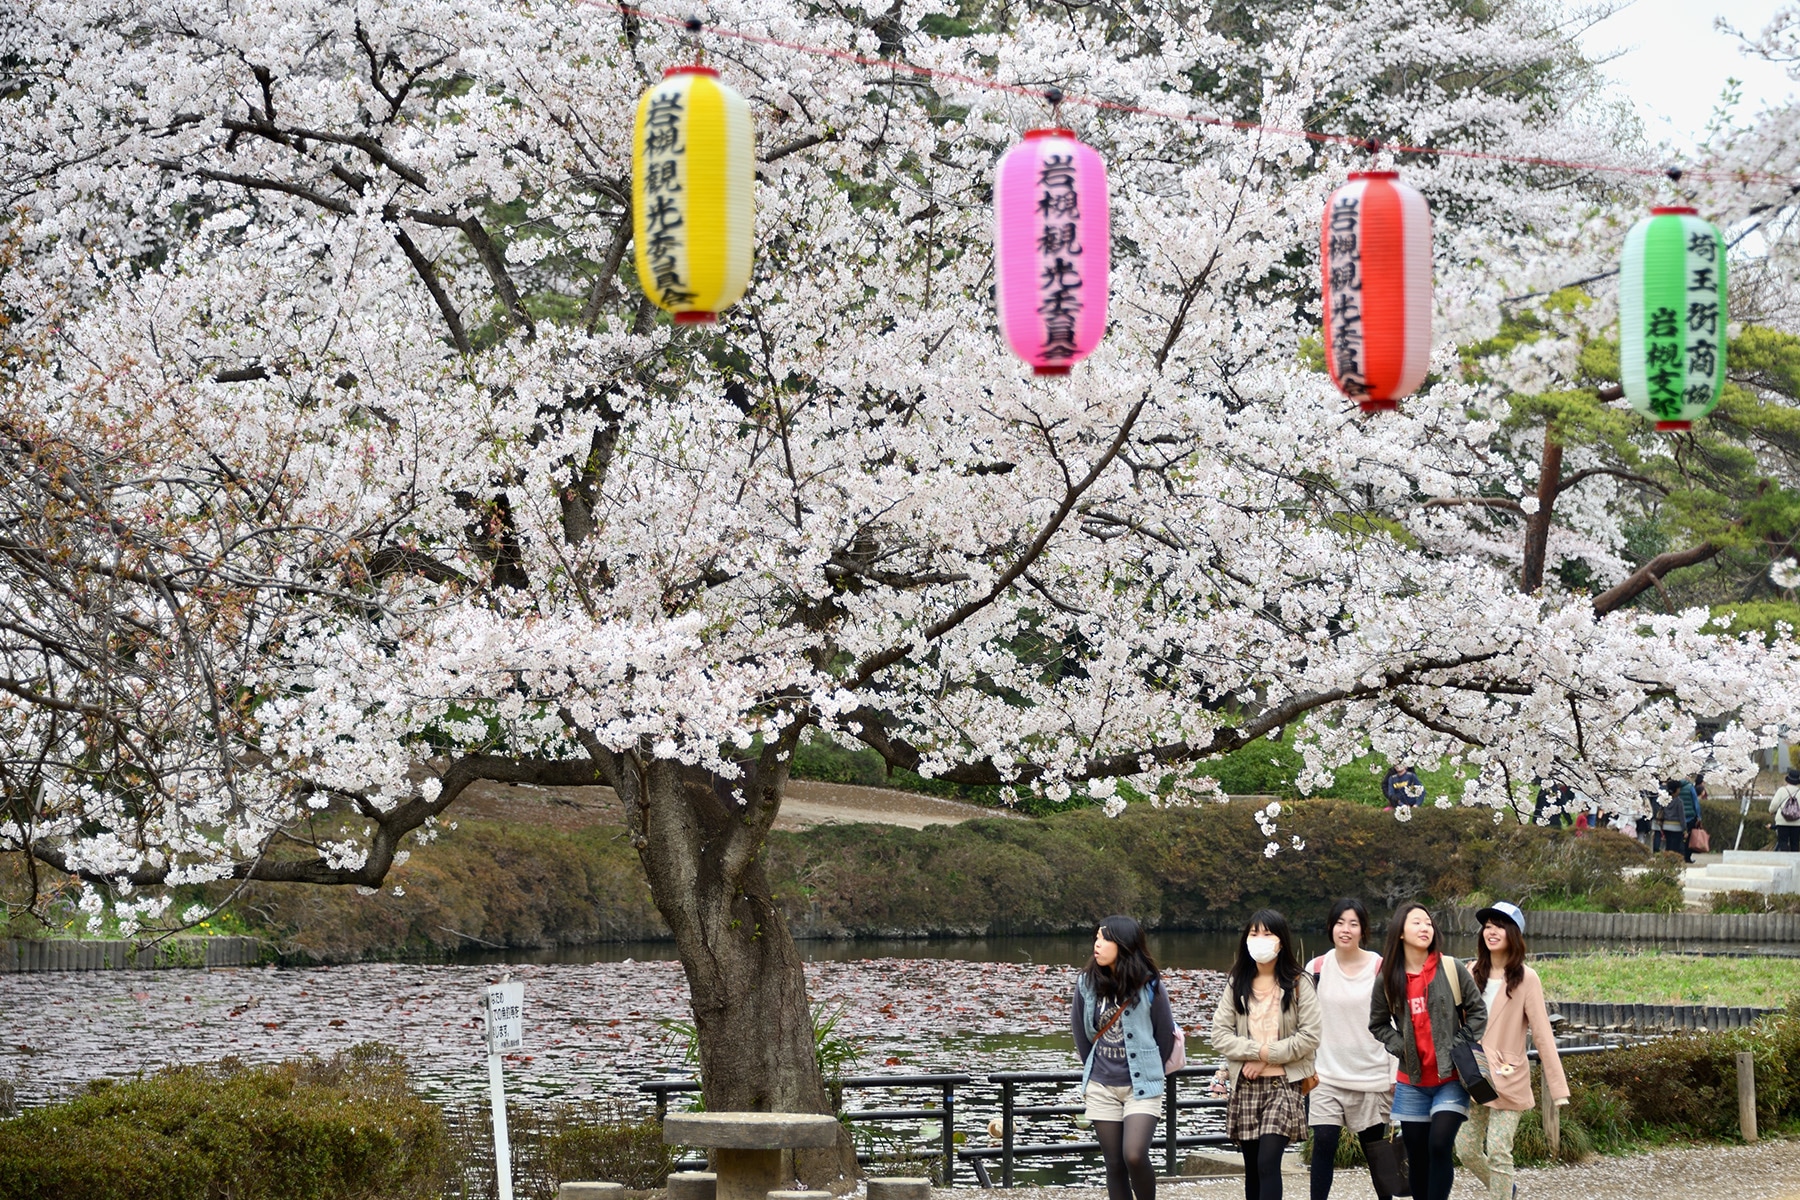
[1672,317]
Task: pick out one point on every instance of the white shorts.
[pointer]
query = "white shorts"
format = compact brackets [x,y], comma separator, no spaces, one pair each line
[1116,1103]
[1354,1110]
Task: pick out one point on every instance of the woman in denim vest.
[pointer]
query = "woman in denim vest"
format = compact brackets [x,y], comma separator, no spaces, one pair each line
[1124,1031]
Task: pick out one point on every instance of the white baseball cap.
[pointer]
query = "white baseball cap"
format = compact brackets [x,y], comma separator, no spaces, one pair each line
[1504,910]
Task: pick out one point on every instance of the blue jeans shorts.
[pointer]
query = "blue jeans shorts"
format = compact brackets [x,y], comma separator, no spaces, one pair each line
[1423,1103]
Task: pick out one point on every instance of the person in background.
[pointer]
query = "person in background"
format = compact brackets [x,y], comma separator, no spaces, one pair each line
[1689,795]
[1388,790]
[1356,1073]
[1669,820]
[1515,1004]
[1124,1032]
[1784,806]
[1419,1017]
[1408,788]
[1267,1027]
[1555,801]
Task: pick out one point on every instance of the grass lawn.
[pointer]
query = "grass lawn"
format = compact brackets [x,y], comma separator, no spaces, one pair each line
[1652,977]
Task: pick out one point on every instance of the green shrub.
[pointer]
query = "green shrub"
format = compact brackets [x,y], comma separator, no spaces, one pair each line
[1686,1085]
[1756,902]
[333,1128]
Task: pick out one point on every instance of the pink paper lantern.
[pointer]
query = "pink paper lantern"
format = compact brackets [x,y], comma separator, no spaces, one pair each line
[1375,258]
[1051,246]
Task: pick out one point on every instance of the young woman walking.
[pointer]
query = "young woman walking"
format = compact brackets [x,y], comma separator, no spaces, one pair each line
[1515,1003]
[1124,1032]
[1415,1013]
[1267,1027]
[1356,1073]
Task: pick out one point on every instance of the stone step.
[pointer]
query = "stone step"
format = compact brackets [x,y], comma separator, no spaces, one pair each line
[1715,884]
[1747,871]
[1767,858]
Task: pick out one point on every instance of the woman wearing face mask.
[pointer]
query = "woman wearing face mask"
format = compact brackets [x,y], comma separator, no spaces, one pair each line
[1356,1073]
[1515,1004]
[1125,1032]
[1418,1016]
[1267,1027]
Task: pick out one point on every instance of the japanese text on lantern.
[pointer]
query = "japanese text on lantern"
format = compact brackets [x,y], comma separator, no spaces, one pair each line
[1702,317]
[1059,287]
[663,149]
[1345,281]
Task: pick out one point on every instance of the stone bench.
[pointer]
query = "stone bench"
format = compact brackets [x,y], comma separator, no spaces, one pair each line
[749,1148]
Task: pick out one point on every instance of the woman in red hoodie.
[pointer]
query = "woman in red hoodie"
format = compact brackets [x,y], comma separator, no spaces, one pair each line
[1419,1015]
[1515,1004]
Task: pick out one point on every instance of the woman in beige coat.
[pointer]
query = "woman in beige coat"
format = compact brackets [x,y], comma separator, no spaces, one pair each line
[1515,1003]
[1267,1026]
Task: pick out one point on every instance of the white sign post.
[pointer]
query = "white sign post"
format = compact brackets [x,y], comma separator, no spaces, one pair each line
[503,1004]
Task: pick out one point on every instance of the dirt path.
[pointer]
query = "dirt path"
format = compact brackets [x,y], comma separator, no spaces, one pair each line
[1769,1170]
[806,804]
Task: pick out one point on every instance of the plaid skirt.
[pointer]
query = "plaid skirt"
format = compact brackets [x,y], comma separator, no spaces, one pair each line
[1264,1105]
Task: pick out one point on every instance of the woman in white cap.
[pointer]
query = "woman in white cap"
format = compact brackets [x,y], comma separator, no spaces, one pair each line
[1515,1004]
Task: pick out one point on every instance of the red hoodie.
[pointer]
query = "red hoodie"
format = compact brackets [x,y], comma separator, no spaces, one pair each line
[1416,987]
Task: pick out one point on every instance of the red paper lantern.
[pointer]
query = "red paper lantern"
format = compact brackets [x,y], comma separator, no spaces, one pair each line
[1375,256]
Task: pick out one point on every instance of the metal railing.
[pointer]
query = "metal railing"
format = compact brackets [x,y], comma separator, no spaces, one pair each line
[1012,1084]
[1173,1140]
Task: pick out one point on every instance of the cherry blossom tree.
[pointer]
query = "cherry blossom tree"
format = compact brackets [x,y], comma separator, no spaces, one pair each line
[347,465]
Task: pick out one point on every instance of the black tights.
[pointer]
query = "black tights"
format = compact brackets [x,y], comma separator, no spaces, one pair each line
[1324,1162]
[1262,1166]
[1125,1145]
[1431,1154]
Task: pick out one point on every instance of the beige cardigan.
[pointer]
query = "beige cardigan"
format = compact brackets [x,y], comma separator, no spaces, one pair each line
[1504,1044]
[1301,1024]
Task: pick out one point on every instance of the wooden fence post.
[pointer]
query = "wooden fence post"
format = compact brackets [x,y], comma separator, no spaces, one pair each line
[1746,1071]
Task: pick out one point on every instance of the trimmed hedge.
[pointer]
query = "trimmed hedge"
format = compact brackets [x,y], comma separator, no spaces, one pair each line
[1194,868]
[306,1130]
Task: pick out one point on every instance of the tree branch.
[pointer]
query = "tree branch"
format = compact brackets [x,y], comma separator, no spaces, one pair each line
[1476,502]
[1650,574]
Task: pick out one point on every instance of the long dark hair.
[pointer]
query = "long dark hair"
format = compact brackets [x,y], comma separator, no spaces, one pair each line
[1515,956]
[1287,963]
[1131,971]
[1393,953]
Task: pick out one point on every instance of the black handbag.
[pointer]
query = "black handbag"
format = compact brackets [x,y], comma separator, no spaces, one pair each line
[1472,1068]
[1388,1165]
[1467,1059]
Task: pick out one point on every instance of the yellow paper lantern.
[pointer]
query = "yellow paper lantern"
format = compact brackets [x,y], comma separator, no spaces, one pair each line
[693,165]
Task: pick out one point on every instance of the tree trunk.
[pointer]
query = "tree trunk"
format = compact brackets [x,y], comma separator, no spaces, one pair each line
[702,851]
[1537,524]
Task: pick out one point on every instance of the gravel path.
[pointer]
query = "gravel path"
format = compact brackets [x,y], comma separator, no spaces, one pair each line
[1769,1170]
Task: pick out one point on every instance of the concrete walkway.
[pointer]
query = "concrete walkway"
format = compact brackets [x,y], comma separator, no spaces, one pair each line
[1769,1170]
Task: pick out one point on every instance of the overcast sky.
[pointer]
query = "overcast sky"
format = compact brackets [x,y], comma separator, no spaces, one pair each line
[1674,64]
